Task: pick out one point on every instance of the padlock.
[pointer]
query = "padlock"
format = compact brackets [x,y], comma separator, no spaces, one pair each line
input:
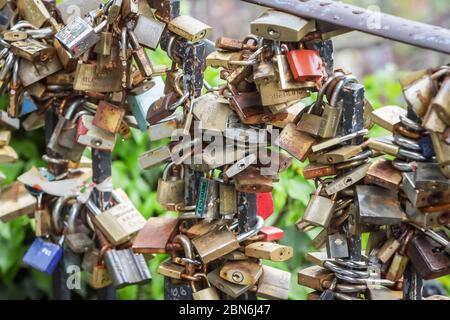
[379,206]
[428,217]
[295,142]
[337,246]
[348,179]
[388,117]
[155,235]
[420,198]
[400,260]
[269,251]
[89,135]
[332,112]
[149,31]
[279,26]
[141,98]
[130,9]
[97,275]
[171,270]
[155,157]
[15,201]
[189,28]
[383,174]
[42,218]
[270,233]
[165,128]
[390,247]
[209,293]
[227,200]
[271,94]
[320,209]
[88,79]
[76,240]
[30,73]
[126,268]
[62,140]
[244,272]
[170,191]
[78,36]
[44,255]
[220,241]
[118,223]
[248,106]
[315,277]
[33,11]
[309,122]
[33,50]
[263,72]
[213,112]
[231,289]
[208,199]
[6,13]
[222,59]
[306,65]
[274,284]
[108,117]
[251,180]
[140,56]
[420,93]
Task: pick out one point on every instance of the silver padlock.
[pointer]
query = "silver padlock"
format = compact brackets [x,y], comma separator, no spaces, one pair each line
[127,268]
[78,36]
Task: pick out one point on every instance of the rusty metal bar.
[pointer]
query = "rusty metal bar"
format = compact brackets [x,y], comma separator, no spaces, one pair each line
[376,23]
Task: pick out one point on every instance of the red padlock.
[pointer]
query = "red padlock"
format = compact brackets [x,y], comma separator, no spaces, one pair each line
[306,65]
[271,233]
[264,205]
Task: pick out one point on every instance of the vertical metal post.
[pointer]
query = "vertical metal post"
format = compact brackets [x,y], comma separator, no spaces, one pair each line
[101,170]
[60,291]
[412,284]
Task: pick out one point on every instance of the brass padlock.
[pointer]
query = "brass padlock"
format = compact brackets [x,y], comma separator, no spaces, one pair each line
[295,142]
[87,79]
[383,174]
[251,180]
[170,191]
[269,251]
[320,209]
[118,223]
[271,94]
[33,50]
[274,284]
[244,272]
[279,26]
[16,201]
[388,117]
[231,289]
[221,241]
[33,11]
[227,198]
[209,293]
[189,28]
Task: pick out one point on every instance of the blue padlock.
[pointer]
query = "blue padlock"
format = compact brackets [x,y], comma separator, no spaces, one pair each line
[426,146]
[142,97]
[28,104]
[43,255]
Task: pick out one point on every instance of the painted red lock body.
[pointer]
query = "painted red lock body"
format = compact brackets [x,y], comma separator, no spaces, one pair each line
[264,205]
[306,65]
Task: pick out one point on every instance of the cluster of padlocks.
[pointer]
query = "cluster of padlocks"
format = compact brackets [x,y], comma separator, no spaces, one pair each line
[86,78]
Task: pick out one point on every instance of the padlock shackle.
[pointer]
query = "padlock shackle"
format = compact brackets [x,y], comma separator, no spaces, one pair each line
[40,33]
[93,207]
[73,215]
[337,90]
[185,242]
[57,211]
[72,107]
[7,66]
[252,232]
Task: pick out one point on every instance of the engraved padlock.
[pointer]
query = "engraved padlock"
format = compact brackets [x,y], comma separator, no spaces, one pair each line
[170,192]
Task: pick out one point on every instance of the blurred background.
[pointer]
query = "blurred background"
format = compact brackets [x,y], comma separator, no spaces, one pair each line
[376,62]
